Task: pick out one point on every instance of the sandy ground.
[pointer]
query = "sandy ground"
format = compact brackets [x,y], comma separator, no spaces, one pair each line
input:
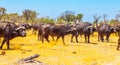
[55,53]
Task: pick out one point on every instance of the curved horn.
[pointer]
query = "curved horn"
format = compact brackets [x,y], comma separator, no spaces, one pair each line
[89,26]
[21,27]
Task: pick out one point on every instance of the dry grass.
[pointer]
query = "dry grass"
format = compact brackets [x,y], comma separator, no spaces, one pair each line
[55,53]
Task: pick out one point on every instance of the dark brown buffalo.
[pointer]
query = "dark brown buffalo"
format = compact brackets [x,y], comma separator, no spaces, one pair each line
[105,30]
[74,33]
[42,32]
[35,27]
[85,29]
[59,30]
[9,31]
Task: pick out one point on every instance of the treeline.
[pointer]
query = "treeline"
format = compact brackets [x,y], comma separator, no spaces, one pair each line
[65,17]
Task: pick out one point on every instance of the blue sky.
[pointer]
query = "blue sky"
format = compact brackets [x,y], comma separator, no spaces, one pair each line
[54,8]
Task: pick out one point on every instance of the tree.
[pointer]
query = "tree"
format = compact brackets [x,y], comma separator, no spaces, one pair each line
[29,15]
[46,20]
[33,15]
[96,19]
[79,17]
[104,17]
[60,20]
[114,22]
[13,17]
[5,17]
[117,17]
[2,12]
[68,16]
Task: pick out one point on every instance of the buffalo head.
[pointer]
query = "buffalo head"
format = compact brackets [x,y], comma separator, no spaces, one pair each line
[20,31]
[113,29]
[89,29]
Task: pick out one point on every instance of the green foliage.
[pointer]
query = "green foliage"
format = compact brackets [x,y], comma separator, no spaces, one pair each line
[68,16]
[46,20]
[79,17]
[14,17]
[114,22]
[29,15]
[60,20]
[2,12]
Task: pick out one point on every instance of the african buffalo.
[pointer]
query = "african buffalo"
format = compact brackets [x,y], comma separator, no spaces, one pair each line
[85,29]
[59,30]
[42,31]
[35,27]
[105,30]
[9,31]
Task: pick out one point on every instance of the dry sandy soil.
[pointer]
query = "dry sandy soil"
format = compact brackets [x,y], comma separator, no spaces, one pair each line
[55,53]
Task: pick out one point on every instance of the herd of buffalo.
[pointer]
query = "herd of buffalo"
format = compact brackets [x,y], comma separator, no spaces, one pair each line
[10,30]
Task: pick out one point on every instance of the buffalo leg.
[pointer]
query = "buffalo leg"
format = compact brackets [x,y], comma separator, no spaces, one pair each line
[88,38]
[72,38]
[116,34]
[34,32]
[98,38]
[107,38]
[3,42]
[102,38]
[42,39]
[85,38]
[63,40]
[0,39]
[57,38]
[76,39]
[38,37]
[53,38]
[119,34]
[46,37]
[118,44]
[8,44]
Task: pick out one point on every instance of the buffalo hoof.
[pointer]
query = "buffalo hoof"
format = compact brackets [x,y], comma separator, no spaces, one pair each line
[117,48]
[0,47]
[64,44]
[77,41]
[72,41]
